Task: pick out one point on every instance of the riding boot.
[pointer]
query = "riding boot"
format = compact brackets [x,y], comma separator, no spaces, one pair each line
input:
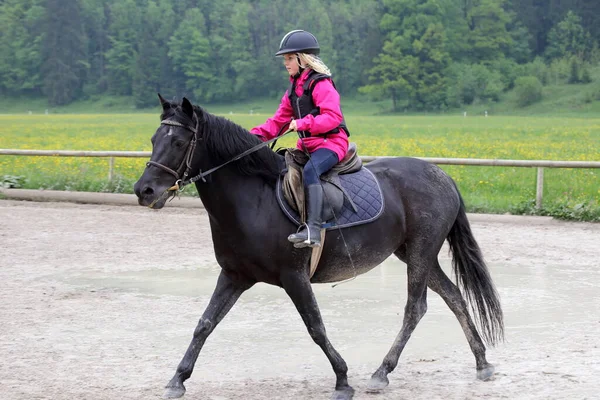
[310,234]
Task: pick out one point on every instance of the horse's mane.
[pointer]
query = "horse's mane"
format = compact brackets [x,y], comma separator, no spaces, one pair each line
[225,139]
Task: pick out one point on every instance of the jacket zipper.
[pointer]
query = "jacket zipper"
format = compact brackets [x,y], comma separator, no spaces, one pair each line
[298,105]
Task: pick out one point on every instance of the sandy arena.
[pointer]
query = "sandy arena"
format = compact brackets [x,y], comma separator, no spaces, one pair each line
[100,302]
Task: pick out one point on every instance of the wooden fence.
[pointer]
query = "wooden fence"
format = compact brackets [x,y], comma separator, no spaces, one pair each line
[539,164]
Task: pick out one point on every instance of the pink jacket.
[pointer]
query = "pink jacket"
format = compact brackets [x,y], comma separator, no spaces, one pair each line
[328,100]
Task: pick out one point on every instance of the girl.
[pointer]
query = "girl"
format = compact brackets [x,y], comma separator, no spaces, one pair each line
[311,106]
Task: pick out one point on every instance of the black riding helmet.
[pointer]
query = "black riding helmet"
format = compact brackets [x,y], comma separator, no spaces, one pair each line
[298,41]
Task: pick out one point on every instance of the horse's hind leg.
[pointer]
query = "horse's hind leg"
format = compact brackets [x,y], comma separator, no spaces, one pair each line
[297,286]
[442,285]
[224,297]
[419,262]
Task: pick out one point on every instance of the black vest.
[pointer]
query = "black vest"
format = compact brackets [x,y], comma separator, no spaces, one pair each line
[304,105]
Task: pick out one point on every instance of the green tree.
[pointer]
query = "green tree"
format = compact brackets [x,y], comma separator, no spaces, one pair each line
[539,17]
[568,38]
[21,46]
[189,49]
[121,56]
[95,21]
[533,15]
[520,40]
[487,35]
[244,66]
[221,48]
[356,42]
[589,10]
[319,24]
[391,75]
[151,58]
[574,76]
[64,56]
[266,30]
[414,57]
[483,31]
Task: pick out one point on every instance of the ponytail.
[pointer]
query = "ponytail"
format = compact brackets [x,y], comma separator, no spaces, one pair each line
[313,62]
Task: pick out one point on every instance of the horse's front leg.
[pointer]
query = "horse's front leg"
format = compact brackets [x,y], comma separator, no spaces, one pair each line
[297,286]
[224,297]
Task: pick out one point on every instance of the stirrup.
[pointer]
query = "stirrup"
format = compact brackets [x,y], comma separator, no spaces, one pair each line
[307,242]
[294,237]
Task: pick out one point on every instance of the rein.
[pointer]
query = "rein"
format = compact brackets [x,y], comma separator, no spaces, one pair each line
[180,179]
[180,184]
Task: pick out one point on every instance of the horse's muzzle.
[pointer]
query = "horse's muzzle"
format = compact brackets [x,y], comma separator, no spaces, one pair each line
[148,196]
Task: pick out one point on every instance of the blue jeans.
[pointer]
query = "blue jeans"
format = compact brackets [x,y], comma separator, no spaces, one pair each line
[321,161]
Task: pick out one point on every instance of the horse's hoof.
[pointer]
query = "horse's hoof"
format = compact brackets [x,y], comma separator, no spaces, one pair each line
[174,392]
[485,373]
[343,394]
[377,384]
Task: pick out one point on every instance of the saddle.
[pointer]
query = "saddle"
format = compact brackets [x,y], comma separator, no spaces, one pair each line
[334,193]
[352,195]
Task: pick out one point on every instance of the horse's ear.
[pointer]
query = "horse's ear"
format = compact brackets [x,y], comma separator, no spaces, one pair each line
[164,103]
[187,108]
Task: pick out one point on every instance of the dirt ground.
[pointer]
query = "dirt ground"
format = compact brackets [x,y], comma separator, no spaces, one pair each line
[100,302]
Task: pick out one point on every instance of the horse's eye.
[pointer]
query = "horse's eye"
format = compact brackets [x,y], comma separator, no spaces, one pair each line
[179,143]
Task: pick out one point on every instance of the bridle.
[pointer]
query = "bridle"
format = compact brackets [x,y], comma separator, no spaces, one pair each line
[183,170]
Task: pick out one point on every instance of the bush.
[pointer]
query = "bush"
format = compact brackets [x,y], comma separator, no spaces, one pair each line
[11,181]
[537,68]
[488,83]
[560,210]
[595,54]
[528,90]
[559,71]
[471,83]
[586,77]
[592,92]
[509,71]
[574,74]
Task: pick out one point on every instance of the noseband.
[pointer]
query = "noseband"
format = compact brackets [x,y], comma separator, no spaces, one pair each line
[186,164]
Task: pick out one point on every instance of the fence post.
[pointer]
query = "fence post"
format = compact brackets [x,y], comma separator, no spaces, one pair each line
[111,165]
[539,190]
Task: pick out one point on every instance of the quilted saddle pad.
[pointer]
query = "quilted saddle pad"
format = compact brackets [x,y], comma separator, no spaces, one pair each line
[365,192]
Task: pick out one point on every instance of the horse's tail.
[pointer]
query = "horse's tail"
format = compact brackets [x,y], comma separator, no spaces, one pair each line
[475,281]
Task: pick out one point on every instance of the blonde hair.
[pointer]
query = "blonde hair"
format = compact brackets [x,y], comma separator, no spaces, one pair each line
[313,62]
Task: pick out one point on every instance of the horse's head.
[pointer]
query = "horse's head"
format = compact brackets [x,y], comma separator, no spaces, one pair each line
[173,146]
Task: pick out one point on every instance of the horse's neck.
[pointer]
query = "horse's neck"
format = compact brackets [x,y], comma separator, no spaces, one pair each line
[229,193]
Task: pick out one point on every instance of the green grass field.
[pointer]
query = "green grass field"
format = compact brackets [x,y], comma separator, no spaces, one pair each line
[568,193]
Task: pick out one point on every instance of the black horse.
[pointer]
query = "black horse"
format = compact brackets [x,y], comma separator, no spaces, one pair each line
[423,208]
